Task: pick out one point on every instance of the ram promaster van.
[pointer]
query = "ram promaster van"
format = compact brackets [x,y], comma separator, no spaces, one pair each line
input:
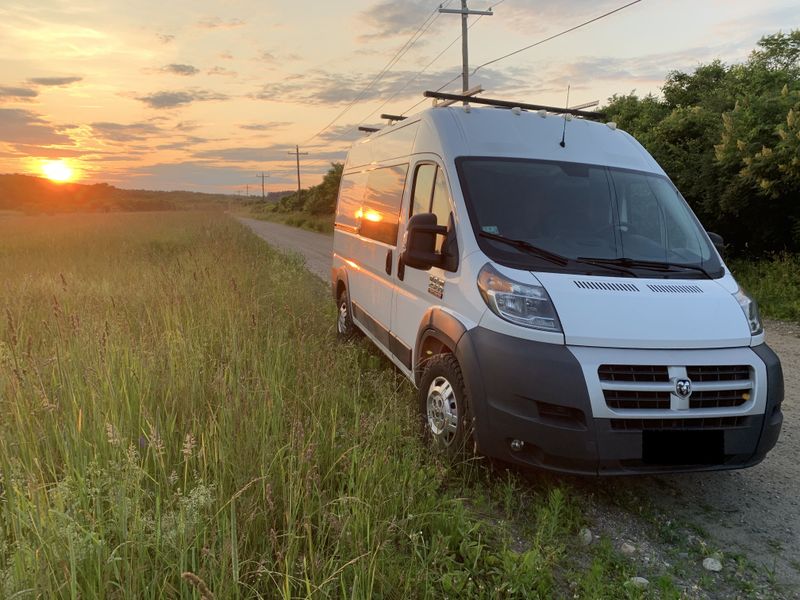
[551,295]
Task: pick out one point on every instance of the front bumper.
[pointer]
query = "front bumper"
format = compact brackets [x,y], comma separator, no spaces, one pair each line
[537,393]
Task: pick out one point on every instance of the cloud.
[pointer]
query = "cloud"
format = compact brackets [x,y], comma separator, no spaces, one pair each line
[54,81]
[390,18]
[125,132]
[35,151]
[165,38]
[322,87]
[26,127]
[198,176]
[180,69]
[226,56]
[262,154]
[183,144]
[218,23]
[175,99]
[17,93]
[222,71]
[264,126]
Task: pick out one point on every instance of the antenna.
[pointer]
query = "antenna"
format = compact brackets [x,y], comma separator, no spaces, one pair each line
[563,143]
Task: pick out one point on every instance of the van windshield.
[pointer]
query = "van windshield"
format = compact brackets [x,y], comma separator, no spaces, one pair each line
[593,217]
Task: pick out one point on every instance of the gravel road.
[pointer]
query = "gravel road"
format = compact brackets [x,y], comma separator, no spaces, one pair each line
[754,512]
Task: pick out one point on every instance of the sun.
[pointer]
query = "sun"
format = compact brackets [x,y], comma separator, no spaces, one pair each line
[57,170]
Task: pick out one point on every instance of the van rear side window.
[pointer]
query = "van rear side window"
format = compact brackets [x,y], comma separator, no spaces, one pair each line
[380,214]
[351,199]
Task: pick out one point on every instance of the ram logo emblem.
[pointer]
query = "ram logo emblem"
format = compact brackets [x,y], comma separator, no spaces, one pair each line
[683,387]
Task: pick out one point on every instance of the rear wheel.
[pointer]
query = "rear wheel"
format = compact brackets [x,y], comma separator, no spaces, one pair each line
[345,328]
[446,418]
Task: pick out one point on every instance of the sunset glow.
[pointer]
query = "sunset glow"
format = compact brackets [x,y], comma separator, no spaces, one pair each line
[57,170]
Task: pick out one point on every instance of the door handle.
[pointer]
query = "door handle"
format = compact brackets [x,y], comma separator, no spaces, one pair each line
[389,262]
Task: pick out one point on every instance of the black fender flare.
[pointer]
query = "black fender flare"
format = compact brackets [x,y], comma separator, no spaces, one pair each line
[339,275]
[441,326]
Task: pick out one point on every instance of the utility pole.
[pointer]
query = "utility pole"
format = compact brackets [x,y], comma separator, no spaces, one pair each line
[247,185]
[465,12]
[297,154]
[262,176]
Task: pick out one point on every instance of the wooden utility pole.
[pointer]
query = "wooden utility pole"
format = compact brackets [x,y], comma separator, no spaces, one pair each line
[297,154]
[465,12]
[262,176]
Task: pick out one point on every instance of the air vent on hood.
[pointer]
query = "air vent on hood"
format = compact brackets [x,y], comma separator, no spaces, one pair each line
[607,286]
[671,288]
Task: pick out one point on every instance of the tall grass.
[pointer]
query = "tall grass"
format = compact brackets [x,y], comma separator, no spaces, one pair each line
[177,419]
[774,282]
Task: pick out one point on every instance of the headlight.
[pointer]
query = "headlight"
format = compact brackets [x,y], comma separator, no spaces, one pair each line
[750,309]
[520,303]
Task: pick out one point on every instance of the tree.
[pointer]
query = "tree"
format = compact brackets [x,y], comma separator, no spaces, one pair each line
[729,137]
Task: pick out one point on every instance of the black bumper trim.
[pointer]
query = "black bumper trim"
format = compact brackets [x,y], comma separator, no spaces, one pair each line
[536,392]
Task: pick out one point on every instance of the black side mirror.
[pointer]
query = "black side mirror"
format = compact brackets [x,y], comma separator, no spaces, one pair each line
[420,247]
[718,242]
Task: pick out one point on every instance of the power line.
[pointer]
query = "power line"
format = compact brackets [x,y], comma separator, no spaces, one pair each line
[420,72]
[398,55]
[552,37]
[528,47]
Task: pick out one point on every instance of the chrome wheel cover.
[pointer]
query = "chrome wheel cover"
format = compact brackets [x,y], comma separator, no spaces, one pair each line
[442,408]
[341,321]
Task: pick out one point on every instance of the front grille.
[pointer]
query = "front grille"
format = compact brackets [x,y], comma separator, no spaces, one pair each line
[633,373]
[637,400]
[719,398]
[653,424]
[653,387]
[719,373]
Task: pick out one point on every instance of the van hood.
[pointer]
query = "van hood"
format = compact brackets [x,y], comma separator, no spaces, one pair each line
[646,313]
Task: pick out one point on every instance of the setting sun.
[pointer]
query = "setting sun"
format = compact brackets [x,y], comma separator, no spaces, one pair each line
[57,170]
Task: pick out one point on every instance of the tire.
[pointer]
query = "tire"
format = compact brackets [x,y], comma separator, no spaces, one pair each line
[345,328]
[444,408]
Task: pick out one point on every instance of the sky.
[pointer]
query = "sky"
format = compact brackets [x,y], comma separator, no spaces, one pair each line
[206,95]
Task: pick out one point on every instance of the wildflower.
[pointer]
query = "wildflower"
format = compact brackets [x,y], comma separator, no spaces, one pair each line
[189,445]
[111,434]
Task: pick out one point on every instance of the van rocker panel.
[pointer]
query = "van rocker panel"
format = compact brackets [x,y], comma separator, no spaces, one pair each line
[536,392]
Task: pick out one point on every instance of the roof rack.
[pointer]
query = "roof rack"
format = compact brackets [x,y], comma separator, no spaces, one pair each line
[393,117]
[597,116]
[368,129]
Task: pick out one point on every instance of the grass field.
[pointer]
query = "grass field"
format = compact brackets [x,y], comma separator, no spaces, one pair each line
[774,283]
[178,419]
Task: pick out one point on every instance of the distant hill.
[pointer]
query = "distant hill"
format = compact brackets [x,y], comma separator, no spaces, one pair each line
[31,194]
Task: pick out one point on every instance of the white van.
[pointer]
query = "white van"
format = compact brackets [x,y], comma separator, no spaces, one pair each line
[556,304]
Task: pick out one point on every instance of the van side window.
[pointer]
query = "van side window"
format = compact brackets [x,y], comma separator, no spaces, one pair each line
[380,213]
[351,196]
[423,187]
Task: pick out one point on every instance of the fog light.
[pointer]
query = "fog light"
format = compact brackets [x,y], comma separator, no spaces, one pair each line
[516,445]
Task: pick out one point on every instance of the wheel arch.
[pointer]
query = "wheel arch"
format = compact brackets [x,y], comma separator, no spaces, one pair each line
[439,332]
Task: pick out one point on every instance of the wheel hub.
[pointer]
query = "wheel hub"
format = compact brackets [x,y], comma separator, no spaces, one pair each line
[442,409]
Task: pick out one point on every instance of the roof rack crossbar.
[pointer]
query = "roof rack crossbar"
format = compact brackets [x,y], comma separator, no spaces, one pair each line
[597,116]
[368,129]
[393,117]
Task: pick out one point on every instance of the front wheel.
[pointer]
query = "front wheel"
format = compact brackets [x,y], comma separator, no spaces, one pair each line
[447,422]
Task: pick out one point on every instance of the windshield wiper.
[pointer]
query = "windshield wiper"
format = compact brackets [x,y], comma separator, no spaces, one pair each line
[652,265]
[527,247]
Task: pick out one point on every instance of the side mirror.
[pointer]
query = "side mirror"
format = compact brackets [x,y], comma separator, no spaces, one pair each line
[420,242]
[718,242]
